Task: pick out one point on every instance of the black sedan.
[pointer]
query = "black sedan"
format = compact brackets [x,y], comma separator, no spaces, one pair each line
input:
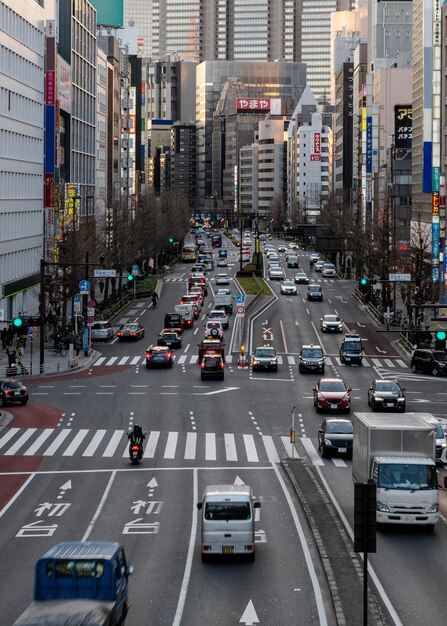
[170,339]
[386,394]
[158,356]
[335,437]
[131,330]
[12,391]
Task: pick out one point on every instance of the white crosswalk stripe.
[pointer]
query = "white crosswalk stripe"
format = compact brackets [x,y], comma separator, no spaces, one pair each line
[21,441]
[191,359]
[288,448]
[311,451]
[230,447]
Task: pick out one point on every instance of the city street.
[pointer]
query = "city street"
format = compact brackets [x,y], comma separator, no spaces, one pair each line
[65,472]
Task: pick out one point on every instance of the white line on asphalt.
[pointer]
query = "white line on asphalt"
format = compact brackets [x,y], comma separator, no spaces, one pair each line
[123,360]
[283,336]
[186,349]
[20,442]
[94,443]
[39,442]
[17,493]
[100,361]
[250,449]
[230,447]
[135,360]
[9,435]
[57,442]
[270,449]
[182,358]
[171,445]
[113,443]
[151,444]
[210,447]
[190,446]
[112,360]
[310,566]
[189,558]
[288,448]
[74,445]
[310,449]
[338,462]
[100,507]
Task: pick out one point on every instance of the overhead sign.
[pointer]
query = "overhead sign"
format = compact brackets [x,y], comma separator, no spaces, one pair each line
[404,278]
[105,273]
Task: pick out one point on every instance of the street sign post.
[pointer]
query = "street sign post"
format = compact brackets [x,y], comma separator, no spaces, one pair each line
[77,303]
[399,278]
[84,286]
[105,273]
[240,310]
[134,270]
[240,299]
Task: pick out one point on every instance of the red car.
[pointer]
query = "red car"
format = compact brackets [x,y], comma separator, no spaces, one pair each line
[210,346]
[201,282]
[191,299]
[332,394]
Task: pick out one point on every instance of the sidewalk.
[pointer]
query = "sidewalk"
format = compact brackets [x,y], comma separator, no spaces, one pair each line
[53,363]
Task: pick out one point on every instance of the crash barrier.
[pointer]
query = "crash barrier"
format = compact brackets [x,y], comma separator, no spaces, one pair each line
[24,369]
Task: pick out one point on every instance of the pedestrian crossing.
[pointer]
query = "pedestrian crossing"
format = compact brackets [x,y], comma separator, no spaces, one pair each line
[159,445]
[287,359]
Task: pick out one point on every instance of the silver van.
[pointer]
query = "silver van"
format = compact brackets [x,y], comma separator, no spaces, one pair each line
[441,439]
[228,521]
[102,331]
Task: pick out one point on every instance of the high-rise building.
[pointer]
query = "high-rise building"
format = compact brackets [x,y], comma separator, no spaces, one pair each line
[22,44]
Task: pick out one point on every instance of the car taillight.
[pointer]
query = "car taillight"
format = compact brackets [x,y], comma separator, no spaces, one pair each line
[132,334]
[202,364]
[169,355]
[222,364]
[24,389]
[119,334]
[148,355]
[134,448]
[7,391]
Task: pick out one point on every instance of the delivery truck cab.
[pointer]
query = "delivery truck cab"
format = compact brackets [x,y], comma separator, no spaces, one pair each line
[228,525]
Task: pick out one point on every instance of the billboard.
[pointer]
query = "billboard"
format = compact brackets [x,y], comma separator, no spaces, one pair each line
[257,105]
[109,12]
[403,126]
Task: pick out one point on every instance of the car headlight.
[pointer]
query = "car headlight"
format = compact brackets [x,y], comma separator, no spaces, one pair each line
[340,327]
[254,362]
[324,325]
[381,506]
[401,400]
[321,397]
[432,508]
[328,442]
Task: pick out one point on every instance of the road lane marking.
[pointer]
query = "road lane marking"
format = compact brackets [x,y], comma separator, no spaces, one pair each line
[190,446]
[291,360]
[20,442]
[230,447]
[194,358]
[151,444]
[57,442]
[113,443]
[338,462]
[74,445]
[100,507]
[281,325]
[210,447]
[389,362]
[135,360]
[171,445]
[17,494]
[182,358]
[270,449]
[376,362]
[112,360]
[310,449]
[250,449]
[9,435]
[94,443]
[100,361]
[288,448]
[39,442]
[123,360]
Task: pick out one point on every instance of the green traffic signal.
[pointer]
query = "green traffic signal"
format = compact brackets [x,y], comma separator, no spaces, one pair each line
[441,335]
[17,322]
[129,278]
[171,239]
[363,281]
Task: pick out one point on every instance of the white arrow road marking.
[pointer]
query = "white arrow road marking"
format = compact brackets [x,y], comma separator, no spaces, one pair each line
[361,325]
[152,483]
[211,393]
[249,616]
[238,481]
[379,350]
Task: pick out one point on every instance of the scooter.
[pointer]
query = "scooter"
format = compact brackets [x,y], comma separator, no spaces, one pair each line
[135,453]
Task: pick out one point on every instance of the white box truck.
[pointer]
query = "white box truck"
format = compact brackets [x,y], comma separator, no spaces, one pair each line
[398,453]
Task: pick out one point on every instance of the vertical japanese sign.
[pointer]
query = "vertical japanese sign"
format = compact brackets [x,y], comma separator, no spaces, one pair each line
[316,151]
[436,136]
[50,134]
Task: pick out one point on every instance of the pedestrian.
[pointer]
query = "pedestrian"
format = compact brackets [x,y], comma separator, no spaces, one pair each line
[9,335]
[20,353]
[4,338]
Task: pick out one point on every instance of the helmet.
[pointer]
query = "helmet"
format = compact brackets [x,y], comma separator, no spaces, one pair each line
[137,429]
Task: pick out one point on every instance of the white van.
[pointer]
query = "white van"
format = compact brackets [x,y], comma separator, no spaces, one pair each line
[187,313]
[228,521]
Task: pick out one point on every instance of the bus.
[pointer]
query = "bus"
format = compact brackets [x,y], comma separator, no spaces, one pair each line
[189,253]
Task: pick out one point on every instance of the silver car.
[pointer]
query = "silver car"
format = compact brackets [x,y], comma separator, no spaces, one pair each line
[288,287]
[331,323]
[102,331]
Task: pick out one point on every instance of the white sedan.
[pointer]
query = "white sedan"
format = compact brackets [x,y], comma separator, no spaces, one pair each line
[288,288]
[276,273]
[222,279]
[222,262]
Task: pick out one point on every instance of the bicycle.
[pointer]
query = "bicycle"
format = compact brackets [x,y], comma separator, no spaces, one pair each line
[59,348]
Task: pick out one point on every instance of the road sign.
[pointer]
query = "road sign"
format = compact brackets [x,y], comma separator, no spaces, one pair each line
[90,320]
[404,278]
[134,270]
[90,311]
[240,310]
[91,304]
[105,273]
[84,286]
[240,299]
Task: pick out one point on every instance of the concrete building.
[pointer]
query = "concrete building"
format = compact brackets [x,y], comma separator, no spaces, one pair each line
[22,41]
[272,170]
[248,178]
[183,162]
[170,89]
[279,81]
[343,138]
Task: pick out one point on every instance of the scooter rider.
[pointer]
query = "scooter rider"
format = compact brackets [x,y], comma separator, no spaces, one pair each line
[136,438]
[154,298]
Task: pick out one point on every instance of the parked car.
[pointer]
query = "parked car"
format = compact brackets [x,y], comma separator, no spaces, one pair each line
[12,391]
[264,357]
[386,394]
[429,361]
[332,394]
[131,330]
[335,436]
[159,355]
[311,359]
[315,292]
[212,366]
[331,323]
[102,331]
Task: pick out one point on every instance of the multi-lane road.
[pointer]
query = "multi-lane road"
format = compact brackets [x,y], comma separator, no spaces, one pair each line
[64,471]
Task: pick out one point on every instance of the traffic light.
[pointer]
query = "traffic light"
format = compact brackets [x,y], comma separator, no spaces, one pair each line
[363,285]
[171,239]
[18,322]
[129,279]
[440,339]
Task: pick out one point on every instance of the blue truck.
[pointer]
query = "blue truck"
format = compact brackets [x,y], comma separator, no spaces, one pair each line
[79,583]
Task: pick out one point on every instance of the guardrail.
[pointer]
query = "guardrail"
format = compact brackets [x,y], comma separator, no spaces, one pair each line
[405,343]
[34,369]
